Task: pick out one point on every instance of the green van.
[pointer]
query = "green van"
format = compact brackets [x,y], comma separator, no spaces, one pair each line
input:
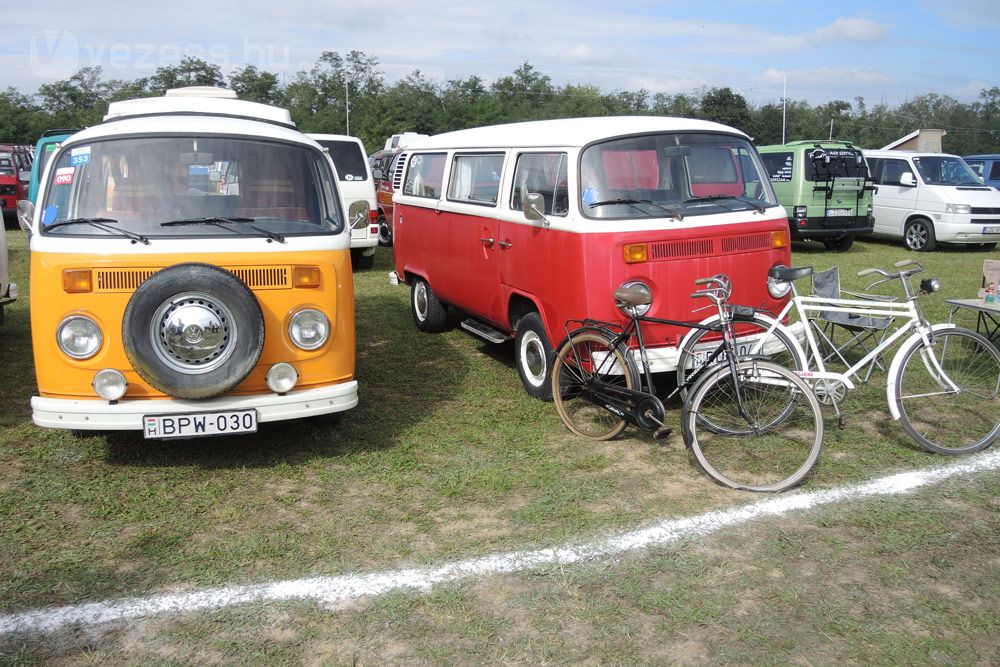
[825,189]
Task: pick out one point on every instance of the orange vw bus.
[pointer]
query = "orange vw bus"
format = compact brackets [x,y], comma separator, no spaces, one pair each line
[190,272]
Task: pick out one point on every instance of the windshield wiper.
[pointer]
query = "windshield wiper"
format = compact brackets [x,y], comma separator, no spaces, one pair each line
[101,223]
[711,198]
[633,203]
[219,221]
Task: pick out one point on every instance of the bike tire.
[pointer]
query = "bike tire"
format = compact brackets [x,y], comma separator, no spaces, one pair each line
[774,447]
[940,419]
[584,357]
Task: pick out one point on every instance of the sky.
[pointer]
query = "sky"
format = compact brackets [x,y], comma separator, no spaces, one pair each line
[887,51]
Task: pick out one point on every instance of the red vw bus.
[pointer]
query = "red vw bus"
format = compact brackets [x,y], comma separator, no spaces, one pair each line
[660,201]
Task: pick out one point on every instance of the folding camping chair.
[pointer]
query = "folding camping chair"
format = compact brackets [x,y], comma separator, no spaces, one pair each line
[858,333]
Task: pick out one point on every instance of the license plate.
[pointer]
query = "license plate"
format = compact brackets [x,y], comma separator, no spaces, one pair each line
[991,230]
[198,424]
[837,212]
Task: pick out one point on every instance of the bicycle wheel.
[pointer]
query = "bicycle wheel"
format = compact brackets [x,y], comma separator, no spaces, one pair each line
[752,339]
[947,393]
[584,359]
[772,445]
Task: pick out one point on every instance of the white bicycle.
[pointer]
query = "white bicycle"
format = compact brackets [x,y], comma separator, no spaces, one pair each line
[943,382]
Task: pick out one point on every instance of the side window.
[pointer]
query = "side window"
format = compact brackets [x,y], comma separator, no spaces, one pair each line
[778,166]
[995,171]
[892,170]
[475,178]
[424,175]
[544,173]
[976,166]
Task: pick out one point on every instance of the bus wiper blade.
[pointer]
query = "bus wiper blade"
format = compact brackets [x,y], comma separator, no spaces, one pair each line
[219,221]
[632,202]
[101,223]
[710,198]
[77,221]
[620,200]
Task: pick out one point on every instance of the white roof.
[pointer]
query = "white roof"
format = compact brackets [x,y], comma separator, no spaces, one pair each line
[566,132]
[198,100]
[333,137]
[184,124]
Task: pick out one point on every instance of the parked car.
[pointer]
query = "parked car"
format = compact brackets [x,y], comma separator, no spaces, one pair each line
[930,198]
[8,290]
[522,227]
[987,167]
[356,185]
[825,189]
[190,272]
[383,165]
[47,144]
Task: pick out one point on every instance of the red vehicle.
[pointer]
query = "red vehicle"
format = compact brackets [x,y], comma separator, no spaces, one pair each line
[383,164]
[522,227]
[15,172]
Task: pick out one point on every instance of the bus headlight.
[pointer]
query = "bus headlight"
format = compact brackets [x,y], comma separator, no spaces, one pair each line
[309,329]
[109,384]
[79,337]
[778,288]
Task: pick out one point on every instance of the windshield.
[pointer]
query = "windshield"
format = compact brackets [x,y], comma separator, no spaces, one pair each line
[139,184]
[6,165]
[823,164]
[945,170]
[672,175]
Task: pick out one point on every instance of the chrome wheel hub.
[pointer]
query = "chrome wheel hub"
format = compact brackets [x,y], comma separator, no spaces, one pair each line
[193,332]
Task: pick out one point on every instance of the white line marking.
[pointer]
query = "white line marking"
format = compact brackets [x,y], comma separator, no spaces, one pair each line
[348,588]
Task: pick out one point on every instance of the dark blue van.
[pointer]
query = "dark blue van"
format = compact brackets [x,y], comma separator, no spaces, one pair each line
[987,167]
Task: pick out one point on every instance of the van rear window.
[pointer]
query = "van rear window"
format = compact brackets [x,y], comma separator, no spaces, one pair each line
[348,158]
[822,164]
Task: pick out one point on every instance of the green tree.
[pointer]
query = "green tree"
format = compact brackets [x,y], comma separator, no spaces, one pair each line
[256,85]
[190,72]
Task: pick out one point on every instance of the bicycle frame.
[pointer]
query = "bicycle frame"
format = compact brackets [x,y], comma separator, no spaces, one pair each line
[916,326]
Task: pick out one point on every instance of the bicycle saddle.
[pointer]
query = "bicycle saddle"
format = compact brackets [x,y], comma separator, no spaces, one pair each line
[631,296]
[786,274]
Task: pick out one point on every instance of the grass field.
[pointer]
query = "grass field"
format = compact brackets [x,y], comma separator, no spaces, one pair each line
[446,457]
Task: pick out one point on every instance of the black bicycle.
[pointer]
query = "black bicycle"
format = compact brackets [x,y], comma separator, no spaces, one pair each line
[751,423]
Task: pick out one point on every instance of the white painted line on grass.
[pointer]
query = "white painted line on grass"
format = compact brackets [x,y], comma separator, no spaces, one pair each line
[348,588]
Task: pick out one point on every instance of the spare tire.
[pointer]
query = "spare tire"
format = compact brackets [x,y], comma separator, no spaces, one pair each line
[193,330]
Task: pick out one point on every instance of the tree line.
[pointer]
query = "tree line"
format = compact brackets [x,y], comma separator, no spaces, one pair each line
[351,88]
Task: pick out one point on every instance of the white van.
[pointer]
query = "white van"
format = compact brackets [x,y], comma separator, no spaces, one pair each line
[356,184]
[927,198]
[8,290]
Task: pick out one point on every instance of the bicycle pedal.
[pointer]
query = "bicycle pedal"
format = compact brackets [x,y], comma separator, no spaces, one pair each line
[662,432]
[841,423]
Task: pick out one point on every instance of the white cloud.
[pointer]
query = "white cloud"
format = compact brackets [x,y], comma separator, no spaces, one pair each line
[827,76]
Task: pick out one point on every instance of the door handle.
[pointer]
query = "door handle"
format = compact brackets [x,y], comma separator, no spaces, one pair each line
[487,241]
[505,244]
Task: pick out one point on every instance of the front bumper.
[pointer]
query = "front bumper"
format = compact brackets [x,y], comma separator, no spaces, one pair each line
[830,227]
[126,415]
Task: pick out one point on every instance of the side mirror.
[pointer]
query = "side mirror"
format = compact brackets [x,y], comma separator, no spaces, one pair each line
[534,207]
[25,214]
[358,214]
[377,174]
[907,180]
[24,176]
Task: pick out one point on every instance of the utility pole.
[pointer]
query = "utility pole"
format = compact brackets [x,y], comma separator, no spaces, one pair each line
[784,106]
[347,107]
[831,129]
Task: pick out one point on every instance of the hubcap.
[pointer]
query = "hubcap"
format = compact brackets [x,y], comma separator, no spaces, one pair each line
[917,237]
[193,333]
[533,358]
[420,301]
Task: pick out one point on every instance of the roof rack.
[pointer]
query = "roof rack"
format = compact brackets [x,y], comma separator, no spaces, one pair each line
[198,100]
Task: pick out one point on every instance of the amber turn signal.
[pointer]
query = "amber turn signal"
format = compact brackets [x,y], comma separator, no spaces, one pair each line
[636,252]
[77,281]
[305,276]
[779,239]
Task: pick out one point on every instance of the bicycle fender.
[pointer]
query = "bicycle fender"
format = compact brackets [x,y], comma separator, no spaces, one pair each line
[897,360]
[797,348]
